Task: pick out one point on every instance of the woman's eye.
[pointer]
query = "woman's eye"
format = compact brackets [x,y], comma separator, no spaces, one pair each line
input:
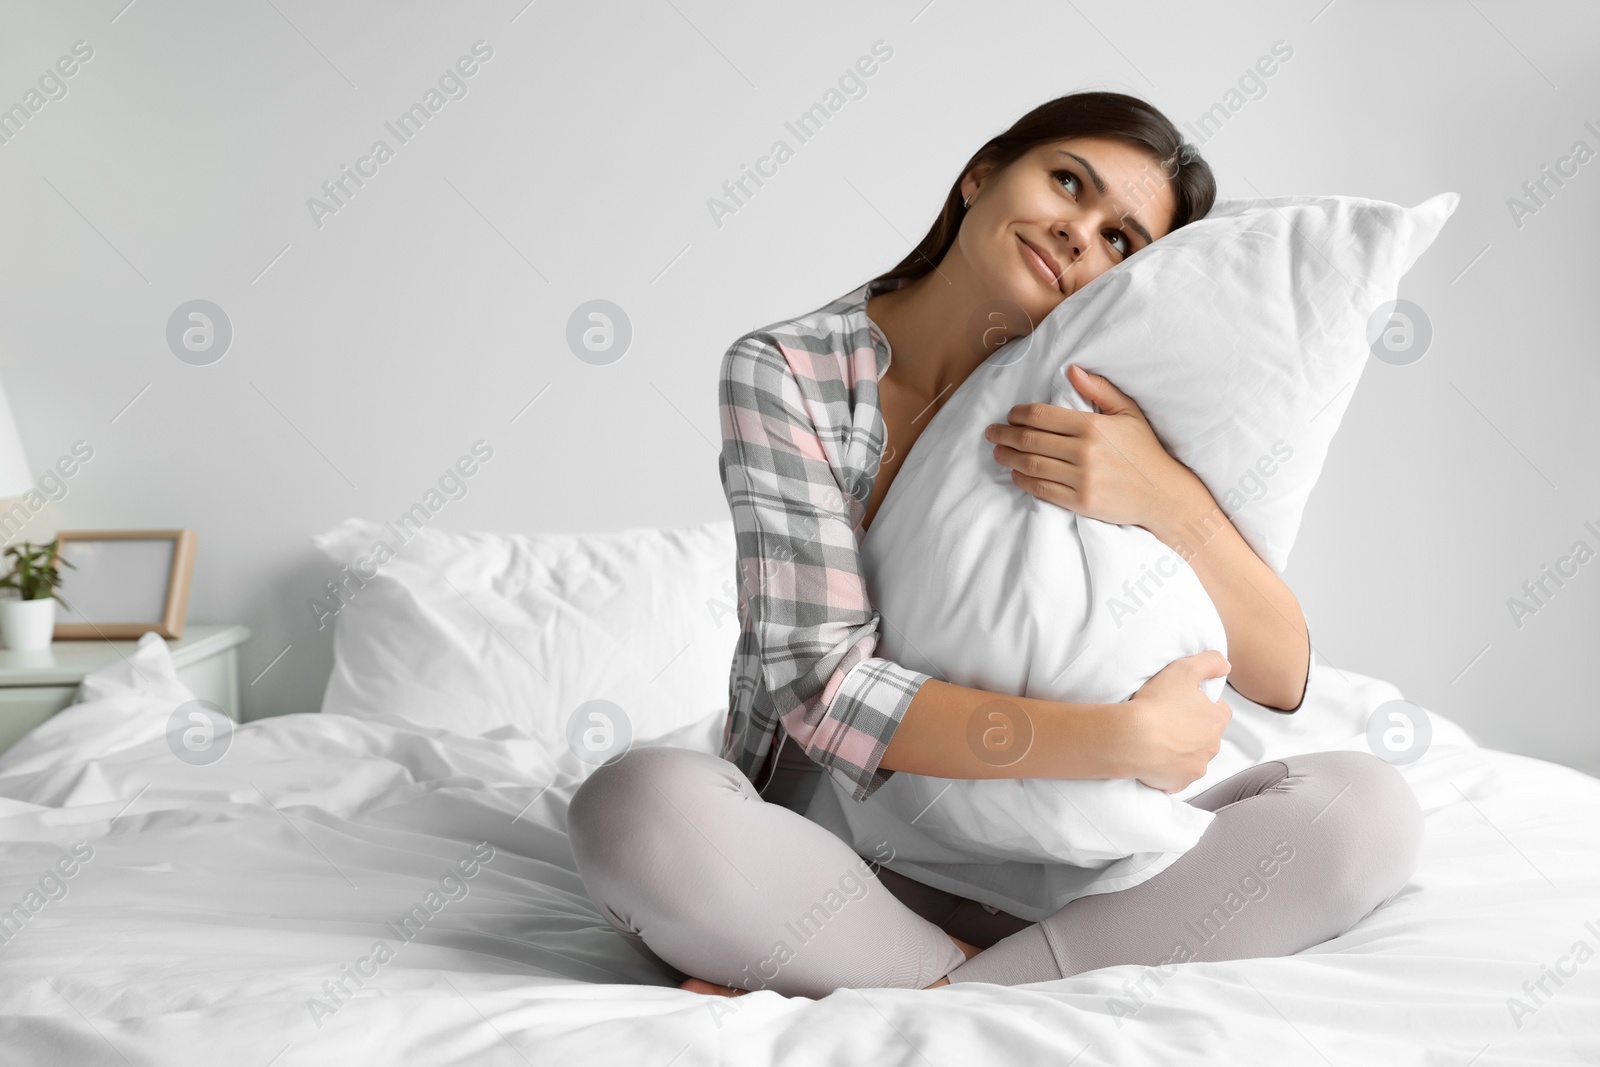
[1126,249]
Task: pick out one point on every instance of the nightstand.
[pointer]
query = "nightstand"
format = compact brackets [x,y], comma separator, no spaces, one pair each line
[36,685]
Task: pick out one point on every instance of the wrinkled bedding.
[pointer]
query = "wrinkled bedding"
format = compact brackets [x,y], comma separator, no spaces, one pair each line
[214,908]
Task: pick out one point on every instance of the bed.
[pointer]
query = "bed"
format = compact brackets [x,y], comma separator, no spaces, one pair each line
[230,911]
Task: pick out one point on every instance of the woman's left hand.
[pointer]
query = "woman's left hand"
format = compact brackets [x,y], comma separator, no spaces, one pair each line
[1107,466]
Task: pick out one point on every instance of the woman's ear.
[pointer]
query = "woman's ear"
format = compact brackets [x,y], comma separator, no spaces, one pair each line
[975,177]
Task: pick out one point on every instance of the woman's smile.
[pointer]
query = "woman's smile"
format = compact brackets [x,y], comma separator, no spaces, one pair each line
[1041,264]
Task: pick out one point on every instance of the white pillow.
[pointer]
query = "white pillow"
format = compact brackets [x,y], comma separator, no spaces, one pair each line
[1240,337]
[480,631]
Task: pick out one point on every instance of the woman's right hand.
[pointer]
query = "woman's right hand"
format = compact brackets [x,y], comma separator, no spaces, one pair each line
[1174,729]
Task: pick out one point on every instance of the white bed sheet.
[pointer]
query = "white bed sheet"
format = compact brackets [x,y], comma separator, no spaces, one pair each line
[220,898]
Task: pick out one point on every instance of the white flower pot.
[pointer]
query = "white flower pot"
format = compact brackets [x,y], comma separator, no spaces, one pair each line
[27,624]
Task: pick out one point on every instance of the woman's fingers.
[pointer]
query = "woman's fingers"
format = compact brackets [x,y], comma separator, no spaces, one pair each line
[1035,465]
[1212,663]
[1060,444]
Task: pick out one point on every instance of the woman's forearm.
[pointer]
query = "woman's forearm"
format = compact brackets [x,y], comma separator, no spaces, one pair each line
[952,731]
[1268,645]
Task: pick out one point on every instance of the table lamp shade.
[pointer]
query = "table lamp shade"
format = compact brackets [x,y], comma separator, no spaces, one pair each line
[15,477]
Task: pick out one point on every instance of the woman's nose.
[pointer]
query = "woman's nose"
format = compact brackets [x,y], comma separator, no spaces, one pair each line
[1074,237]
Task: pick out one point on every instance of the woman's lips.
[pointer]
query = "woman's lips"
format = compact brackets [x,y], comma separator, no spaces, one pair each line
[1040,265]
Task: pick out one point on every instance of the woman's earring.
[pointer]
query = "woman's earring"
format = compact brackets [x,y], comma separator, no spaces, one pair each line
[968,201]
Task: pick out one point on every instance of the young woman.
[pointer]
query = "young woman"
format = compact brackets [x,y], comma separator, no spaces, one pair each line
[725,882]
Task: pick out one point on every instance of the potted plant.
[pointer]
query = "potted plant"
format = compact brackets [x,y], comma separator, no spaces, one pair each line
[30,621]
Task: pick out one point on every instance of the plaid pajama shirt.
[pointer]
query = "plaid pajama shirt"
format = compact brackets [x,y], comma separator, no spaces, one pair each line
[802,438]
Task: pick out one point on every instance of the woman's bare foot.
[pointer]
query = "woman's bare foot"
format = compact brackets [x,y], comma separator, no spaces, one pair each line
[695,985]
[967,950]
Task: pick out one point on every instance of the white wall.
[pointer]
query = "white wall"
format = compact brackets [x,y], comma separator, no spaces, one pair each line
[425,314]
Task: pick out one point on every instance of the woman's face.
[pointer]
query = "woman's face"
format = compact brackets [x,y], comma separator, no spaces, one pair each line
[1059,217]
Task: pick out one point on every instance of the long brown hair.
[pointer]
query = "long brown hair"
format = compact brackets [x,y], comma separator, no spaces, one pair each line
[1092,114]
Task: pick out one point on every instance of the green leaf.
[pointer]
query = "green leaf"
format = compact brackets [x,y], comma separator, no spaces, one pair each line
[34,570]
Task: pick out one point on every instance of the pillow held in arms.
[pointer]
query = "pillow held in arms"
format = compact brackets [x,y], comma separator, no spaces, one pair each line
[1240,337]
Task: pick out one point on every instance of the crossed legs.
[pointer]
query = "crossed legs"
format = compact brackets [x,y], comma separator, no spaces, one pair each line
[702,876]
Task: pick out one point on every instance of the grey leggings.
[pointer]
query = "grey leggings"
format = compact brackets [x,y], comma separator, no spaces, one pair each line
[705,878]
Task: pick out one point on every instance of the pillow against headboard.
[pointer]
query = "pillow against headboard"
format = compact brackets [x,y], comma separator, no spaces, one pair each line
[473,632]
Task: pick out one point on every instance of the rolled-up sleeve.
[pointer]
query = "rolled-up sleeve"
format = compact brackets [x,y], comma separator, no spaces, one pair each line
[803,598]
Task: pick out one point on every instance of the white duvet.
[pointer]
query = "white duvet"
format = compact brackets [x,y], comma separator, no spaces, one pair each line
[209,909]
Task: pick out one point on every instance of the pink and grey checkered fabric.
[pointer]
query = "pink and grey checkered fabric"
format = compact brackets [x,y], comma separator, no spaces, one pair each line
[802,437]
